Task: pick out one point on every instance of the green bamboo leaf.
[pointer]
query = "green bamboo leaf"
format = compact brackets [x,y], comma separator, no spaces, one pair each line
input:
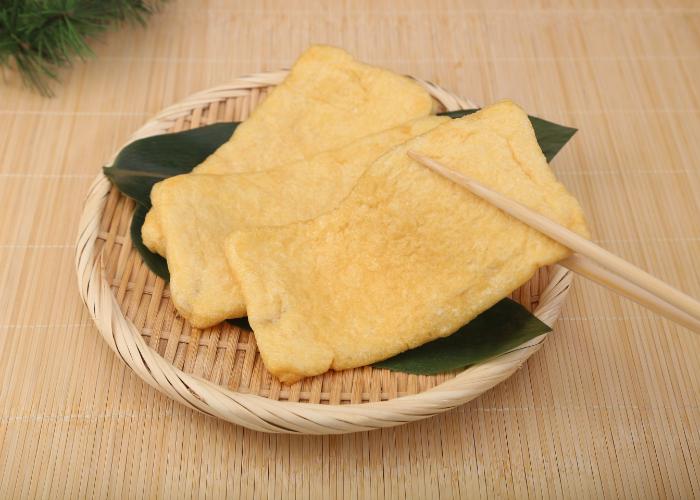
[155,262]
[144,162]
[500,329]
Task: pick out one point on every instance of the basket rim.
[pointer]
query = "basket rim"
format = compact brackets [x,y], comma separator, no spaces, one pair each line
[251,410]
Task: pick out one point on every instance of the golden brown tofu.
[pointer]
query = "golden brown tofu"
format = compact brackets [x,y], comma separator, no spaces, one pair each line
[408,256]
[197,212]
[328,100]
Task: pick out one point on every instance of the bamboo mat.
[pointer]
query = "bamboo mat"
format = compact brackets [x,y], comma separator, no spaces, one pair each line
[609,407]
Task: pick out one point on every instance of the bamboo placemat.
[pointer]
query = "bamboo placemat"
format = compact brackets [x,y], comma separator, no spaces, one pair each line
[608,407]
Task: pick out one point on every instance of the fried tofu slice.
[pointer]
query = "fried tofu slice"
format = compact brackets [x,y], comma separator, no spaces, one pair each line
[408,256]
[151,233]
[197,212]
[328,100]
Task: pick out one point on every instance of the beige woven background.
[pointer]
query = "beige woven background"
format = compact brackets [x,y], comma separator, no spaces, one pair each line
[608,406]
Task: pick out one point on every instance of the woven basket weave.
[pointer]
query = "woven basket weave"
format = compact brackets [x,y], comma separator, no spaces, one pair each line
[219,371]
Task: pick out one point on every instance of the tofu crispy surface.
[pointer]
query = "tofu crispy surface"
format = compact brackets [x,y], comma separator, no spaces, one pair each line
[408,256]
[197,213]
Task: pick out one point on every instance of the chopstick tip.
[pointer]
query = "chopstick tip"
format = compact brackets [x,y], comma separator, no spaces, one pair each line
[414,155]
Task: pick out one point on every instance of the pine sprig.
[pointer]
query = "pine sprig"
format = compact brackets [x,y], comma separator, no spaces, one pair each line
[37,37]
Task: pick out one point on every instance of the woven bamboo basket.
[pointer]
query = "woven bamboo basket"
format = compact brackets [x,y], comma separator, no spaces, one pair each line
[218,371]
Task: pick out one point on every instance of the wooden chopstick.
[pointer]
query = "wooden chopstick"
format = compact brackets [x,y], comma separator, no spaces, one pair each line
[589,269]
[662,292]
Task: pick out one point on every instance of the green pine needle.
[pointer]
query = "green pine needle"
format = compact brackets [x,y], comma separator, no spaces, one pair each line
[37,37]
